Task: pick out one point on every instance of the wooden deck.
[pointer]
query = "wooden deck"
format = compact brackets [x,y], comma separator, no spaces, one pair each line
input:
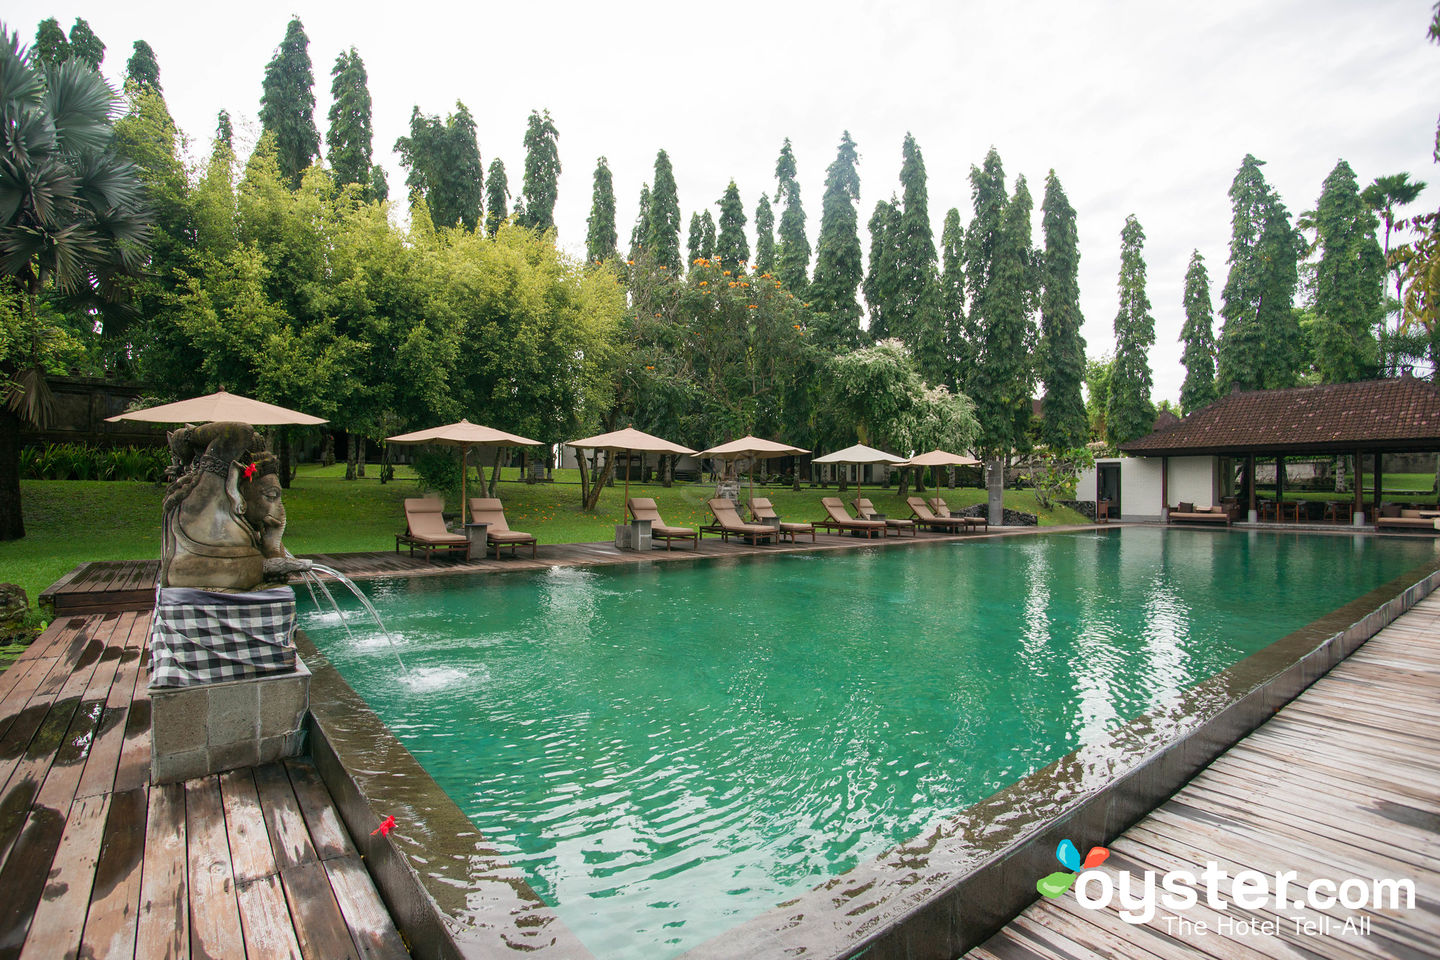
[1343,782]
[96,862]
[107,586]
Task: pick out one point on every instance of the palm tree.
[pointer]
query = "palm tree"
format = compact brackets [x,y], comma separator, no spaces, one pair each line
[1385,196]
[73,219]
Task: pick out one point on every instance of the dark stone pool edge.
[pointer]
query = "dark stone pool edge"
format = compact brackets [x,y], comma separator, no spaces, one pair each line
[951,889]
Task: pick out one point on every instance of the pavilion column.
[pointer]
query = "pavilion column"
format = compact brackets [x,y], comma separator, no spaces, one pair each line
[1164,489]
[1359,512]
[1375,503]
[1250,483]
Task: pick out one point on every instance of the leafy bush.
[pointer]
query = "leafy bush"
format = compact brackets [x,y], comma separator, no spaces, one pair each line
[88,461]
[435,470]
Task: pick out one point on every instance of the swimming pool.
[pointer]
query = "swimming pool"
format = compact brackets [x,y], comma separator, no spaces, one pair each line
[669,751]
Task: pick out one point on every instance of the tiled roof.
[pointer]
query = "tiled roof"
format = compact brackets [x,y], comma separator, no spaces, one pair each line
[1399,414]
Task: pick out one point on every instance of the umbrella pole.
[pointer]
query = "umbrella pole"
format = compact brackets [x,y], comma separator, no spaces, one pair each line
[625,506]
[463,471]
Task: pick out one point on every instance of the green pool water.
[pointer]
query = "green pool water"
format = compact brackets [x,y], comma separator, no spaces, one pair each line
[669,750]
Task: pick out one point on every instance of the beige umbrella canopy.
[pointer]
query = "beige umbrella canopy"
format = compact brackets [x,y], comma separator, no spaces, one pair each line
[755,448]
[859,454]
[628,440]
[940,458]
[219,406]
[464,434]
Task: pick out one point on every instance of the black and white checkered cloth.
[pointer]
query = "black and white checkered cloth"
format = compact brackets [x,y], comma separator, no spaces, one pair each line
[198,636]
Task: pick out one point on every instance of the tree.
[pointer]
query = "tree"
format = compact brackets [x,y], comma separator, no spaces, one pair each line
[600,238]
[1130,413]
[1062,348]
[696,241]
[764,236]
[839,269]
[287,106]
[958,339]
[445,167]
[1098,374]
[1349,282]
[51,48]
[792,258]
[84,45]
[662,214]
[915,312]
[730,244]
[882,280]
[542,171]
[1385,196]
[497,193]
[1260,341]
[351,133]
[73,221]
[879,390]
[1198,335]
[143,69]
[224,131]
[640,233]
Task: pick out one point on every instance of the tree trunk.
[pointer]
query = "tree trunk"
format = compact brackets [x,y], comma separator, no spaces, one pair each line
[387,469]
[360,443]
[1340,475]
[12,522]
[995,484]
[350,448]
[950,478]
[842,481]
[580,459]
[669,465]
[905,485]
[600,480]
[494,474]
[284,458]
[919,481]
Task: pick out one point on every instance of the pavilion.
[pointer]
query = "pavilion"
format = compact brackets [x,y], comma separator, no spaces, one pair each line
[1374,417]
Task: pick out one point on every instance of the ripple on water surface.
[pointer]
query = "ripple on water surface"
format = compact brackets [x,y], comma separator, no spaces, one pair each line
[670,750]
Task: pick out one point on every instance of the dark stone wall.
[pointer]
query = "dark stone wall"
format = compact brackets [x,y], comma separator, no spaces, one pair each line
[81,406]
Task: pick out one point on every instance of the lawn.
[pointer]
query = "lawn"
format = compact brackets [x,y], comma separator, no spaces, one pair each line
[71,522]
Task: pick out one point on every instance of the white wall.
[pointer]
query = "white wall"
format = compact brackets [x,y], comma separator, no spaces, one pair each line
[1194,479]
[1140,488]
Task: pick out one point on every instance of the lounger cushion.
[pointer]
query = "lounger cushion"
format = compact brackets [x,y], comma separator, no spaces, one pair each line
[1185,507]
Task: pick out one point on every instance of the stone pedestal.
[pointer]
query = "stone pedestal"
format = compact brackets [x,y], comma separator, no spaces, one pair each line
[634,535]
[209,727]
[477,533]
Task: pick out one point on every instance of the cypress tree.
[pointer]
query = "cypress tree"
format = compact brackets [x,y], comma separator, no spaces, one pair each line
[730,243]
[445,168]
[350,135]
[1198,335]
[695,243]
[764,236]
[1349,282]
[600,239]
[84,45]
[882,280]
[958,345]
[792,257]
[1130,413]
[1062,348]
[50,45]
[287,106]
[497,196]
[143,69]
[662,238]
[708,245]
[640,233]
[982,238]
[542,171]
[839,268]
[1259,346]
[224,131]
[915,313]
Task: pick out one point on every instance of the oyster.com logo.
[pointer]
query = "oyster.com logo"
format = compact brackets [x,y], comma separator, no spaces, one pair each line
[1060,881]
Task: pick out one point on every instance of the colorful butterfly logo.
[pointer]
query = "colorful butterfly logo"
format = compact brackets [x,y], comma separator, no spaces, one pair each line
[1058,882]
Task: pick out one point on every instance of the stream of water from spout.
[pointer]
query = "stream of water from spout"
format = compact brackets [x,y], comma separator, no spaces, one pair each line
[312,580]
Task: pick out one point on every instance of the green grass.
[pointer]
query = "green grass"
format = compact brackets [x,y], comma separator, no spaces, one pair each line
[1410,487]
[71,522]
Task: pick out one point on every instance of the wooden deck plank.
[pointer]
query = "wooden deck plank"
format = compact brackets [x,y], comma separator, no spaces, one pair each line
[250,851]
[60,914]
[289,838]
[265,919]
[327,833]
[215,927]
[162,928]
[320,926]
[374,933]
[115,898]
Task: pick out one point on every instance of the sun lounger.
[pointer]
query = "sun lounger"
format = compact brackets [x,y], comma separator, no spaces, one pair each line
[764,512]
[1188,513]
[942,510]
[498,534]
[926,517]
[841,521]
[728,523]
[1407,520]
[643,508]
[425,528]
[867,511]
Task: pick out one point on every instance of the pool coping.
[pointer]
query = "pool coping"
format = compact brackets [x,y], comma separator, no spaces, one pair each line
[454,896]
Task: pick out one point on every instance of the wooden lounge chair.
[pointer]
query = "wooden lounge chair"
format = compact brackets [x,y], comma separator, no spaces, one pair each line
[643,508]
[764,512]
[728,522]
[1394,518]
[1186,512]
[841,521]
[942,510]
[498,534]
[425,528]
[926,517]
[867,511]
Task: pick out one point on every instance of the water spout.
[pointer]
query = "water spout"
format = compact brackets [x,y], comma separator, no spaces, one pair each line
[312,577]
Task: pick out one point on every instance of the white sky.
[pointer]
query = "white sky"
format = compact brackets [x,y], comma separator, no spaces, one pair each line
[1140,107]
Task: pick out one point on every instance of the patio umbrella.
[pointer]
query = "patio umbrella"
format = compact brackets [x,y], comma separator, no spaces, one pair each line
[628,440]
[859,455]
[218,407]
[940,458]
[464,434]
[756,449]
